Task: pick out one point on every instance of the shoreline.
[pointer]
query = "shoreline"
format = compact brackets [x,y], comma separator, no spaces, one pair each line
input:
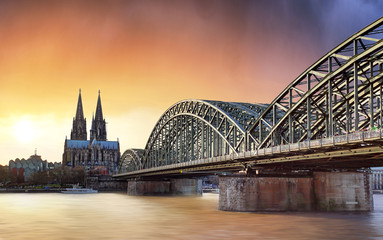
[5,190]
[30,190]
[49,191]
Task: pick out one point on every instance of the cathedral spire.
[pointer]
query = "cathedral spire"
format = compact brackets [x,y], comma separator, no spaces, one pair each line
[79,122]
[98,130]
[92,129]
[99,108]
[79,112]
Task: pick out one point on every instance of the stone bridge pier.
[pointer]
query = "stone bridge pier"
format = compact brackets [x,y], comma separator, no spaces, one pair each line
[322,191]
[175,186]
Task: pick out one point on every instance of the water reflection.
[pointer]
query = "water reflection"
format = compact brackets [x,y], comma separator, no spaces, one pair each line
[118,216]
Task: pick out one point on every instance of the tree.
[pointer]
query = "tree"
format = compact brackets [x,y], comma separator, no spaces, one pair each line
[41,178]
[67,175]
[6,175]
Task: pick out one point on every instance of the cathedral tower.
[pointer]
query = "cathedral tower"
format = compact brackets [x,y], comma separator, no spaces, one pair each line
[98,130]
[79,122]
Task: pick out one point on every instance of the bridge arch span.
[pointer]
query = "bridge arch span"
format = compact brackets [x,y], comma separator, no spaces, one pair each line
[193,129]
[131,160]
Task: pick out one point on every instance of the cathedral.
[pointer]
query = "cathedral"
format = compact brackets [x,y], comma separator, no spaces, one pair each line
[95,153]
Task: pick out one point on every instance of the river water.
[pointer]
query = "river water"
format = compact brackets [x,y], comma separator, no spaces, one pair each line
[119,216]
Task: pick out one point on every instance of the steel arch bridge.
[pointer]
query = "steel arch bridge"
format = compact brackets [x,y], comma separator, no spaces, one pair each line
[339,94]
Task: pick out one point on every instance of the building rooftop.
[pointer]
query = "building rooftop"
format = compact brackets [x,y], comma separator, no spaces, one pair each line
[85,143]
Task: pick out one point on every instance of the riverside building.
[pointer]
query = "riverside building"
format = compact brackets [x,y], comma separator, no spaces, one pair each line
[23,169]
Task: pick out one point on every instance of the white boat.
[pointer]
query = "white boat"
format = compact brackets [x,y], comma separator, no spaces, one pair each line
[210,190]
[75,190]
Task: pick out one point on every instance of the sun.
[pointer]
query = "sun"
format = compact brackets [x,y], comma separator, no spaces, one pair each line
[24,131]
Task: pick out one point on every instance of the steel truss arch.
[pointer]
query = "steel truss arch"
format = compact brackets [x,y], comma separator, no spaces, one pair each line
[244,113]
[131,160]
[210,128]
[339,93]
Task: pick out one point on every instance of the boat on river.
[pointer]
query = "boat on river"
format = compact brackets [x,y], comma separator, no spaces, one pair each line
[76,190]
[210,190]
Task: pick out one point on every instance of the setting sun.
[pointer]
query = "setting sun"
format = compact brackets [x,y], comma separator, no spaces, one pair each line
[24,131]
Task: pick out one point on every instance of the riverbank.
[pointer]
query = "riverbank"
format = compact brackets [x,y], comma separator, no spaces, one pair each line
[57,190]
[21,190]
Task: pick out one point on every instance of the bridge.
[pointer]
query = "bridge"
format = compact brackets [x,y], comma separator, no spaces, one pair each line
[329,118]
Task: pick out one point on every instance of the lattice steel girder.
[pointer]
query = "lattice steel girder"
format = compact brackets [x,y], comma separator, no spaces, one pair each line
[193,128]
[321,94]
[364,95]
[343,98]
[244,113]
[131,160]
[311,104]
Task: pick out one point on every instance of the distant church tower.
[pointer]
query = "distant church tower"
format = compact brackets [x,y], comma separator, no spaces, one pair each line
[98,130]
[79,122]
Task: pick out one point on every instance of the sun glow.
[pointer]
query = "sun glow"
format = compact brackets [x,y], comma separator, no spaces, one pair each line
[24,131]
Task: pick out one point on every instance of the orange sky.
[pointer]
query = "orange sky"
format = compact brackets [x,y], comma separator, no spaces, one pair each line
[146,55]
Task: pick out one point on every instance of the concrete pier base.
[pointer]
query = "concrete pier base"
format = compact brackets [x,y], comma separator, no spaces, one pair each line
[343,191]
[106,183]
[323,191]
[165,187]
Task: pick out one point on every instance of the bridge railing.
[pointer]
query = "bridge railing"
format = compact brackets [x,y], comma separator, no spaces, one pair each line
[355,137]
[360,136]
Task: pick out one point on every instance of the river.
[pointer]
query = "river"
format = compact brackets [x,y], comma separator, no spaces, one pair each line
[119,216]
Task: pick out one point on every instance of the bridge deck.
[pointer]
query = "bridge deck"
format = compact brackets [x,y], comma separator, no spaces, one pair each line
[354,150]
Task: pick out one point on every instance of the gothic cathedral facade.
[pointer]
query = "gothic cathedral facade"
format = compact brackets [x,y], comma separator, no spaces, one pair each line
[95,153]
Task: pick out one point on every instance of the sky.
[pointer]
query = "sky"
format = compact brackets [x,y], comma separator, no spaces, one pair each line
[146,55]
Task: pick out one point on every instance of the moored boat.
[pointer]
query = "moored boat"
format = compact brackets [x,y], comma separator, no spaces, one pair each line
[75,190]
